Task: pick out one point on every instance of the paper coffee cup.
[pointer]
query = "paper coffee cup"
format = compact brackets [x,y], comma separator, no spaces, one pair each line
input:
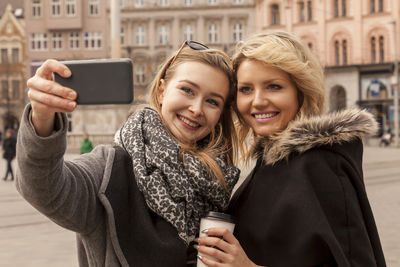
[211,220]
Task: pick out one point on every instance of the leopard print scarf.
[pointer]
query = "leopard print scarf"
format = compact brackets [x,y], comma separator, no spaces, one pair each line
[180,192]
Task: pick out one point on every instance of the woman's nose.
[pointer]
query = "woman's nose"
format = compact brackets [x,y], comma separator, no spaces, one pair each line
[196,107]
[260,98]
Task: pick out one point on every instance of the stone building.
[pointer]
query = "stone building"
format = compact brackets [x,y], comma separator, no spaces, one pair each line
[69,30]
[354,40]
[152,30]
[12,71]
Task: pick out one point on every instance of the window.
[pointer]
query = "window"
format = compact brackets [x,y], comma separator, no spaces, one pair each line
[163,2]
[344,50]
[70,8]
[340,8]
[56,8]
[309,10]
[344,8]
[212,33]
[93,7]
[92,40]
[187,2]
[140,35]
[372,2]
[336,8]
[301,11]
[237,2]
[381,49]
[57,40]
[275,15]
[122,36]
[237,32]
[337,53]
[212,2]
[4,89]
[15,55]
[373,50]
[36,8]
[163,35]
[380,5]
[139,3]
[140,74]
[38,41]
[74,40]
[15,89]
[4,55]
[188,32]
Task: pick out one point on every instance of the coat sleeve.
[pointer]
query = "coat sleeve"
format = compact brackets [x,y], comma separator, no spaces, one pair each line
[64,191]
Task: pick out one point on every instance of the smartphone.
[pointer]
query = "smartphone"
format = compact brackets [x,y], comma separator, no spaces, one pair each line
[100,81]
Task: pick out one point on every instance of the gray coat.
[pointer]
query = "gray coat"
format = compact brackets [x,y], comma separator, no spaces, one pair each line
[56,188]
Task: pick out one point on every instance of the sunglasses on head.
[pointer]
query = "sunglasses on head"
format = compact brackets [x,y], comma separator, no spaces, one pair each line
[195,46]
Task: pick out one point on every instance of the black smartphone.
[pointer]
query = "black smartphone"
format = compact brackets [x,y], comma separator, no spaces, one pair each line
[100,81]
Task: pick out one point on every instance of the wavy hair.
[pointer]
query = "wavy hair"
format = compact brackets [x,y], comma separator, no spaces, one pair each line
[286,52]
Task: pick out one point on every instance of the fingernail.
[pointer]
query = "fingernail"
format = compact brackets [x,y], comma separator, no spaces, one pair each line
[205,231]
[67,72]
[72,104]
[200,257]
[71,95]
[196,246]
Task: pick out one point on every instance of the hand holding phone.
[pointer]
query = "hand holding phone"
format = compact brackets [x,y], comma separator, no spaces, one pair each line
[100,81]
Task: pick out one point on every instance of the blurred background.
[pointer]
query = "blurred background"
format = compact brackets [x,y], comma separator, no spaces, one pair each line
[355,40]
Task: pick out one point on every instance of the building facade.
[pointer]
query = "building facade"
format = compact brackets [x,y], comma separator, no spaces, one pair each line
[12,68]
[71,30]
[152,30]
[354,39]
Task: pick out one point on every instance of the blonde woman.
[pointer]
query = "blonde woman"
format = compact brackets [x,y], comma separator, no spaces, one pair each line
[304,204]
[138,203]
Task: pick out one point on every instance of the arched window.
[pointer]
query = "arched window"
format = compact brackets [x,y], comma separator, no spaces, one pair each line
[344,48]
[373,50]
[275,15]
[337,54]
[381,49]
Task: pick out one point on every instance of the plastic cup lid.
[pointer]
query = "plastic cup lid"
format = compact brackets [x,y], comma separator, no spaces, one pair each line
[220,216]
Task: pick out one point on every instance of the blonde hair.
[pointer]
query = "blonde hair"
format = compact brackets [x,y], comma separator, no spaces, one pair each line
[287,53]
[224,139]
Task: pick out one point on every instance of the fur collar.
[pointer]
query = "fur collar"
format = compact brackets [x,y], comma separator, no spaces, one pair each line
[328,129]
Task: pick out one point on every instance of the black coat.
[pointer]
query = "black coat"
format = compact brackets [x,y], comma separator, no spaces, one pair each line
[9,147]
[305,203]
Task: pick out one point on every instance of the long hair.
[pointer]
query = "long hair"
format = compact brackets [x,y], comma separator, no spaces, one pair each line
[223,139]
[286,52]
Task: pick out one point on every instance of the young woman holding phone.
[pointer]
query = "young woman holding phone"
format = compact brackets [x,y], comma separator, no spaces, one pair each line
[138,203]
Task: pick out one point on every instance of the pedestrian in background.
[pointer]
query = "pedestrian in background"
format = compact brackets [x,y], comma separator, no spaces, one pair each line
[86,145]
[305,203]
[9,151]
[138,203]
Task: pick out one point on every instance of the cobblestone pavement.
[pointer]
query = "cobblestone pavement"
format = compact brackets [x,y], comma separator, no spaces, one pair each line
[28,239]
